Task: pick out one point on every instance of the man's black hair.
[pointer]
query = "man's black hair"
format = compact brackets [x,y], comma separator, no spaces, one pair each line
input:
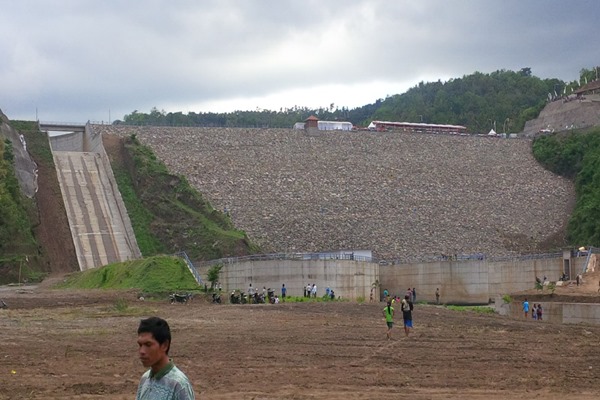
[158,327]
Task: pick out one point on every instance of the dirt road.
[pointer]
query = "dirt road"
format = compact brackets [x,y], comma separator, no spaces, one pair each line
[58,345]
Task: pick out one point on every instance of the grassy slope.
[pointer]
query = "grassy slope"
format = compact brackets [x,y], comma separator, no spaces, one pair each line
[159,274]
[167,214]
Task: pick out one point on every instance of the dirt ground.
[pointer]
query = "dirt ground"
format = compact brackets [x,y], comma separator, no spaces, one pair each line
[76,344]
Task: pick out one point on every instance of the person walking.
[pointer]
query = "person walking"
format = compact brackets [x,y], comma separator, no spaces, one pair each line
[314,290]
[388,313]
[437,296]
[539,312]
[163,381]
[407,308]
[414,295]
[526,308]
[283,291]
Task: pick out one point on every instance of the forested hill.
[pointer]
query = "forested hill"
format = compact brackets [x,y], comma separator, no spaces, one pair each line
[504,99]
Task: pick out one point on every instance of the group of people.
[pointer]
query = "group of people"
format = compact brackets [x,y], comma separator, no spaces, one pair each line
[310,290]
[406,306]
[411,293]
[255,295]
[537,310]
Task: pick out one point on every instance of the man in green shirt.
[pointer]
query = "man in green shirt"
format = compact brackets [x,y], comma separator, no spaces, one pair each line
[163,381]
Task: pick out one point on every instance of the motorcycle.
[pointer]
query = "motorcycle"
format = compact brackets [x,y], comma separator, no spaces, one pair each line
[180,298]
[258,299]
[216,298]
[237,297]
[271,296]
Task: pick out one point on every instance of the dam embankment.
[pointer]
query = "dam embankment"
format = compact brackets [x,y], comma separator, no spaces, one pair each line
[407,197]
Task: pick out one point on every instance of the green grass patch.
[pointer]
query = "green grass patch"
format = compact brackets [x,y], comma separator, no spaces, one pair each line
[37,142]
[477,309]
[301,299]
[159,274]
[141,218]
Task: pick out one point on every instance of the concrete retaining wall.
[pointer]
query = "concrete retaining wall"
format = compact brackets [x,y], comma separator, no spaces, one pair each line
[561,313]
[460,282]
[349,279]
[67,142]
[471,281]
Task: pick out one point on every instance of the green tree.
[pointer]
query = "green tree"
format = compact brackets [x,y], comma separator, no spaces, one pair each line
[213,274]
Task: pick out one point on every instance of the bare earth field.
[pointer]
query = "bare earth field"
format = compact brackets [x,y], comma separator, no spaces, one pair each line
[67,345]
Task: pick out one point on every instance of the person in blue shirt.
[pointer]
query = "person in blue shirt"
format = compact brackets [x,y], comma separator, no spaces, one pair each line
[526,307]
[283,291]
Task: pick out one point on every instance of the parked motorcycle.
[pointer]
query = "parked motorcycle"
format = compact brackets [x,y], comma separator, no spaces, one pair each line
[237,297]
[258,299]
[180,298]
[271,295]
[216,298]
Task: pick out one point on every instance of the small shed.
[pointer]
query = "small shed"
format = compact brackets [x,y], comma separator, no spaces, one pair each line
[311,122]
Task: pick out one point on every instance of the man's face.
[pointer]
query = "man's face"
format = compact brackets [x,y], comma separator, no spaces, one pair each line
[152,354]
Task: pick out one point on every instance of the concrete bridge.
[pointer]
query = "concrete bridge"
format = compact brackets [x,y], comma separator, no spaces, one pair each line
[62,127]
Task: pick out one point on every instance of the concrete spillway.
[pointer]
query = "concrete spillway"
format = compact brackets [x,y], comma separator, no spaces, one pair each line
[99,223]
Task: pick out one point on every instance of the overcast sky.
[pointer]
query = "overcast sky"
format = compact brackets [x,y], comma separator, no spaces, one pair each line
[79,60]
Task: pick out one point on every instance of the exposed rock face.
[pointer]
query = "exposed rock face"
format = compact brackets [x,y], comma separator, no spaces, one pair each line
[401,195]
[25,167]
[563,115]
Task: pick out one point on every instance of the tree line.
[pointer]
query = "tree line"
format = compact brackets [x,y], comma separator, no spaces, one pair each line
[503,100]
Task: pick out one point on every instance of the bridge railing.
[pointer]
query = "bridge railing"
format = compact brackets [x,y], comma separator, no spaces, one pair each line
[287,256]
[191,267]
[56,123]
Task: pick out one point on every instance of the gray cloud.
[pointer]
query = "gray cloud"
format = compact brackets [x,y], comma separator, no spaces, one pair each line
[75,60]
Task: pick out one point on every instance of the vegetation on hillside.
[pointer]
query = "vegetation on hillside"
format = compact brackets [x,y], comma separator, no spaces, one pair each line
[167,214]
[576,155]
[503,100]
[15,229]
[160,274]
[19,253]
